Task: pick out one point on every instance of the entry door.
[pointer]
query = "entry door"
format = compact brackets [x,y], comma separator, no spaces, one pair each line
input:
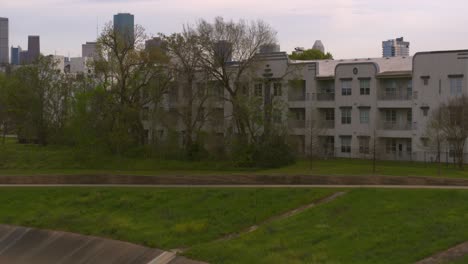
[400,150]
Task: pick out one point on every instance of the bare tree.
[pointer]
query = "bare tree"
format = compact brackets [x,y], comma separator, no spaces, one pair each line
[228,51]
[133,76]
[450,124]
[197,88]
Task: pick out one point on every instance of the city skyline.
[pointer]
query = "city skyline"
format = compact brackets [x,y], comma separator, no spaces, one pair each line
[363,24]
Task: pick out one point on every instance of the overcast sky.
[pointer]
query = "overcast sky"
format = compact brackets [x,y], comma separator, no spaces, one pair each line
[347,28]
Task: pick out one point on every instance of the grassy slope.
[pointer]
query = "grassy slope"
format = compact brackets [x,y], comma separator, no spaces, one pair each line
[164,218]
[365,226]
[30,159]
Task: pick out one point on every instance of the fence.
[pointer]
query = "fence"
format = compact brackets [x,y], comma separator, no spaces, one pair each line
[327,152]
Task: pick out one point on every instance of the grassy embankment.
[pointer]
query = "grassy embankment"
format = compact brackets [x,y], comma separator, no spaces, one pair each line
[17,159]
[156,217]
[364,226]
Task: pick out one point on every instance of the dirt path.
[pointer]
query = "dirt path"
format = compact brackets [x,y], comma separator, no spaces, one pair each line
[283,216]
[448,255]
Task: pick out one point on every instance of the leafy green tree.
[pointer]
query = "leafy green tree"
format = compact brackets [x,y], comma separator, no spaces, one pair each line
[37,100]
[311,54]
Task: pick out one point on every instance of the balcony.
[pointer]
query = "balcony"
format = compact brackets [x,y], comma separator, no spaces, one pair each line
[327,124]
[390,125]
[294,97]
[325,96]
[296,123]
[395,96]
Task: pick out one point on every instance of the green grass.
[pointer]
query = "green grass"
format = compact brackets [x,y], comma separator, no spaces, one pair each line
[162,218]
[364,226]
[18,159]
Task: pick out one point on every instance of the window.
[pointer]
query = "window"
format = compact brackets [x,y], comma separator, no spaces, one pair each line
[346,144]
[258,91]
[390,88]
[277,89]
[364,145]
[364,116]
[277,116]
[345,87]
[409,116]
[390,116]
[409,89]
[345,116]
[425,111]
[390,146]
[456,86]
[425,81]
[330,114]
[365,86]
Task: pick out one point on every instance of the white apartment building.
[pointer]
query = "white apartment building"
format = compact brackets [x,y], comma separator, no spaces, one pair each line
[349,108]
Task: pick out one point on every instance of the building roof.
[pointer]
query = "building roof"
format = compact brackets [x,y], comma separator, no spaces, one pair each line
[388,65]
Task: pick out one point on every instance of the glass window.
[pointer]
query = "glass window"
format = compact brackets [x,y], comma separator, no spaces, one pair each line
[390,116]
[346,144]
[277,89]
[329,114]
[258,91]
[345,116]
[364,145]
[390,146]
[346,87]
[364,116]
[456,86]
[365,87]
[425,111]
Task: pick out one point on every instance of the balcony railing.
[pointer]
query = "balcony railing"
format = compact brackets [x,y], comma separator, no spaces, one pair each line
[325,96]
[390,125]
[327,124]
[296,123]
[296,97]
[395,96]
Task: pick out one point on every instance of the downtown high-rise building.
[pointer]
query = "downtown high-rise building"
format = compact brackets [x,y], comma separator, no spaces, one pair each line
[4,45]
[395,48]
[124,27]
[15,55]
[34,48]
[88,50]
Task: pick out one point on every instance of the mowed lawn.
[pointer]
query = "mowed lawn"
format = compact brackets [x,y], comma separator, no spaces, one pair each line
[364,226]
[19,159]
[155,217]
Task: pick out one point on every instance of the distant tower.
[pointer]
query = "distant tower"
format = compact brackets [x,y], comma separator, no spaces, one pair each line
[395,48]
[318,45]
[124,26]
[15,55]
[4,45]
[34,48]
[88,50]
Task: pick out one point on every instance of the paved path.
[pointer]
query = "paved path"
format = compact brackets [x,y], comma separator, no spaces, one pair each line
[21,245]
[448,187]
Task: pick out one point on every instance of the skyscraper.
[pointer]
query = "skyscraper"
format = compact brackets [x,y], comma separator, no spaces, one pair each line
[395,48]
[124,25]
[15,55]
[4,46]
[88,50]
[34,48]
